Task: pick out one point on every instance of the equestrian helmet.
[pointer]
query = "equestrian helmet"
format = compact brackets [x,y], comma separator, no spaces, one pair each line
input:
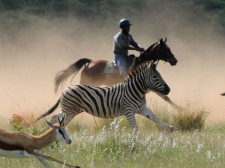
[124,22]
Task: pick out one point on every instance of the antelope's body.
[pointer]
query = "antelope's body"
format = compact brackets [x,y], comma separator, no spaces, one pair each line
[17,141]
[19,144]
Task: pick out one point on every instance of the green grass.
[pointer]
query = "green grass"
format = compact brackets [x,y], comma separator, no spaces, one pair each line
[110,148]
[113,145]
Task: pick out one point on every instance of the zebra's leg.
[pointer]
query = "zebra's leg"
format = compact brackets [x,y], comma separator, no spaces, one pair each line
[131,120]
[69,117]
[144,111]
[54,118]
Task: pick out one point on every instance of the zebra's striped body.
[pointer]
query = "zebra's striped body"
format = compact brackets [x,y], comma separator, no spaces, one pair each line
[126,98]
[100,102]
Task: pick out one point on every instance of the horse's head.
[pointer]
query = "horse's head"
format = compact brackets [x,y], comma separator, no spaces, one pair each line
[161,51]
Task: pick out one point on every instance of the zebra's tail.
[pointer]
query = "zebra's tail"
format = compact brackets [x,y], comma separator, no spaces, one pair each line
[222,94]
[50,110]
[73,69]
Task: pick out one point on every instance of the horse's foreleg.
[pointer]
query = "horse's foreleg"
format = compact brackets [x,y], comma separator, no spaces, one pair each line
[167,99]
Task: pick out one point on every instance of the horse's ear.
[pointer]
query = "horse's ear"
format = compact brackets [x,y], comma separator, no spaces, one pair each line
[165,40]
[161,41]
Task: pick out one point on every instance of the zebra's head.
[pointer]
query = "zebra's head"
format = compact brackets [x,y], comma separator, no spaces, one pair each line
[154,80]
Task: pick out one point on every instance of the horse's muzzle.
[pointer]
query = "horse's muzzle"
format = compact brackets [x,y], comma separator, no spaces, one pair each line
[173,62]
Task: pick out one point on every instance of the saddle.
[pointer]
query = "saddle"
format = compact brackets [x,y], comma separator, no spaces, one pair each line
[112,67]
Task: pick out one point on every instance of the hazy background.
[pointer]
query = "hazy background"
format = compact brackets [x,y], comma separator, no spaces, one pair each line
[39,38]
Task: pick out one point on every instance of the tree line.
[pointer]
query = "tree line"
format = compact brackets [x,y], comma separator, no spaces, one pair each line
[104,10]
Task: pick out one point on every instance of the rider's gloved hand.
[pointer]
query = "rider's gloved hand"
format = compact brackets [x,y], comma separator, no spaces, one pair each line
[141,49]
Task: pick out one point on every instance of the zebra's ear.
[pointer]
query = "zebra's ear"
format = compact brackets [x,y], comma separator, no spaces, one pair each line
[152,66]
[61,119]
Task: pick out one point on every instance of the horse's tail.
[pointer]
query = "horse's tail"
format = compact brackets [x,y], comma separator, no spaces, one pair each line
[50,110]
[72,69]
[222,94]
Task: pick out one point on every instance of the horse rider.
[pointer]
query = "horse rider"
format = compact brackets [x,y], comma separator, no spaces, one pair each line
[122,42]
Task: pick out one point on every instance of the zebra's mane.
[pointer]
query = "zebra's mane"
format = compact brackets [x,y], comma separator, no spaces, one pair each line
[138,69]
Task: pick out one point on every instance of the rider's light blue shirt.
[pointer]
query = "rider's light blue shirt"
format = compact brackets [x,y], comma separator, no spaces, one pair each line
[121,41]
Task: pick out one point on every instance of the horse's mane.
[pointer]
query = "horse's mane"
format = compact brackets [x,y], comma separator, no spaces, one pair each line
[151,46]
[147,51]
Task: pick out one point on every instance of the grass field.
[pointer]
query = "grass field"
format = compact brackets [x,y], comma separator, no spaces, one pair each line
[111,144]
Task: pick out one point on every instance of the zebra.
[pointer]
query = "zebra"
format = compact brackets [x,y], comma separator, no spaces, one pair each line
[126,98]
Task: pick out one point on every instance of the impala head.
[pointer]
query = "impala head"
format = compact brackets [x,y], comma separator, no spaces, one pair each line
[155,81]
[161,51]
[61,134]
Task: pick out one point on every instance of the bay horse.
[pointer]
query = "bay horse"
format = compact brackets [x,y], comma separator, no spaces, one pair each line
[93,72]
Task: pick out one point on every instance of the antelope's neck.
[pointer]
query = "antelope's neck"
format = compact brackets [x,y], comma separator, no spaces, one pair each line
[44,139]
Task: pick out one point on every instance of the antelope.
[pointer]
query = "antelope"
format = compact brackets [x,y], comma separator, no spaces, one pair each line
[19,144]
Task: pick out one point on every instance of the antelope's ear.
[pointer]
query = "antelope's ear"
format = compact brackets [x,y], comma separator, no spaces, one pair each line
[49,123]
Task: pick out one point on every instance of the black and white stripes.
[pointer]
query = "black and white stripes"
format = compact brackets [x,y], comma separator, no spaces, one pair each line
[125,98]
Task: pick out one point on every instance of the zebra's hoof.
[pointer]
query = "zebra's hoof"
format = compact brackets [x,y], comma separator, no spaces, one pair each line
[171,129]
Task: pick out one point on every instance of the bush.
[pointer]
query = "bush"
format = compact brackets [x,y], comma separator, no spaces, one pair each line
[189,121]
[24,123]
[15,126]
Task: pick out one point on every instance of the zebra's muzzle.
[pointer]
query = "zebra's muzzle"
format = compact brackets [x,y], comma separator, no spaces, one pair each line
[166,90]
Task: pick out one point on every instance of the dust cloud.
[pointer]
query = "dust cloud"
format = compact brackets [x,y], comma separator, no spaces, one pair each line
[31,56]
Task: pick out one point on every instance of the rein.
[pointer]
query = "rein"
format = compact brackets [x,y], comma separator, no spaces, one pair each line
[146,56]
